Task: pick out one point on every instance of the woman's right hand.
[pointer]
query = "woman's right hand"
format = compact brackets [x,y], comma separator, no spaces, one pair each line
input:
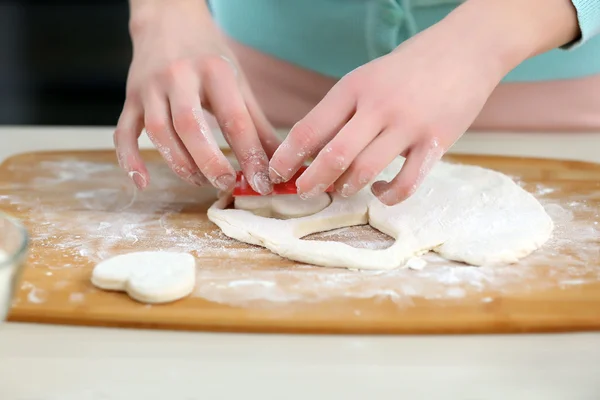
[181,65]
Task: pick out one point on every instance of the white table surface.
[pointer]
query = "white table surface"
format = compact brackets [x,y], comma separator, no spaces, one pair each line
[45,362]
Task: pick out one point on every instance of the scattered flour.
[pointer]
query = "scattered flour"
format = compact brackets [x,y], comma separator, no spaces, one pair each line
[106,216]
[35,295]
[77,297]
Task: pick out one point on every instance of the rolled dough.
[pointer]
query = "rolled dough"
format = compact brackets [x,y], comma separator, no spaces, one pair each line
[464,213]
[282,206]
[149,276]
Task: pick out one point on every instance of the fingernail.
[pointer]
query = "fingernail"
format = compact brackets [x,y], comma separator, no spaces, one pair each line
[378,187]
[346,190]
[364,178]
[225,182]
[311,193]
[262,184]
[199,179]
[275,177]
[391,196]
[387,198]
[380,190]
[138,180]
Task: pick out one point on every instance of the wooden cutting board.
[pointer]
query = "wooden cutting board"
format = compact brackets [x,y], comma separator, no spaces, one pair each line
[80,208]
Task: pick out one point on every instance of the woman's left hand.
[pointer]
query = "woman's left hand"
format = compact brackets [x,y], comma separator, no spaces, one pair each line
[415,102]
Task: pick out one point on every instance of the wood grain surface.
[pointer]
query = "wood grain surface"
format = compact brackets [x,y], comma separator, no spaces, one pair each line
[72,203]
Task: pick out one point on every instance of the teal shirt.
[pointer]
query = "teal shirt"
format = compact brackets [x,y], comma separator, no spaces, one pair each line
[588,15]
[333,37]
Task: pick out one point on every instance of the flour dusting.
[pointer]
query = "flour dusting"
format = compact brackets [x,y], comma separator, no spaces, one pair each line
[84,212]
[570,257]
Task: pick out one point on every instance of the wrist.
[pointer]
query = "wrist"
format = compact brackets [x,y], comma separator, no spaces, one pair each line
[507,32]
[144,13]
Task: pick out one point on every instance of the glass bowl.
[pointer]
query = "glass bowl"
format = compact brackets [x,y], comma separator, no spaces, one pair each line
[14,241]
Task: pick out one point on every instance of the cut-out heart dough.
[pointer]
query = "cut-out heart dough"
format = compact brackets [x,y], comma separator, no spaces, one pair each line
[149,276]
[464,213]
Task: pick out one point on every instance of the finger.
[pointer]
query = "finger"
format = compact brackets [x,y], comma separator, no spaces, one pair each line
[311,133]
[419,162]
[338,155]
[266,132]
[372,160]
[159,129]
[192,128]
[233,116]
[128,130]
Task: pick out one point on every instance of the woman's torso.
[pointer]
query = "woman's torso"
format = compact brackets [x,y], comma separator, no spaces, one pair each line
[293,52]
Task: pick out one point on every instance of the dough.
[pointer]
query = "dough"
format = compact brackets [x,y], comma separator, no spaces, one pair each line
[464,213]
[148,277]
[284,206]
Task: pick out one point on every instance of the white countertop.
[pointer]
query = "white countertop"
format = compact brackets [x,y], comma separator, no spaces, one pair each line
[45,362]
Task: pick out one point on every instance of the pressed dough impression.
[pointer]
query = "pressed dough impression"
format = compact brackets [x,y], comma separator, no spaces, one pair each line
[464,213]
[284,206]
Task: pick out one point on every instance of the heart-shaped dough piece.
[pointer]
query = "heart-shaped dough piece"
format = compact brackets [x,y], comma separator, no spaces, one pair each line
[148,276]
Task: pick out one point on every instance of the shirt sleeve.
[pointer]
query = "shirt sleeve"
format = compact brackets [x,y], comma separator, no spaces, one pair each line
[588,16]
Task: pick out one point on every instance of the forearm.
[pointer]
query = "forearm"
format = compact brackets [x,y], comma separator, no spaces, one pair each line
[510,31]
